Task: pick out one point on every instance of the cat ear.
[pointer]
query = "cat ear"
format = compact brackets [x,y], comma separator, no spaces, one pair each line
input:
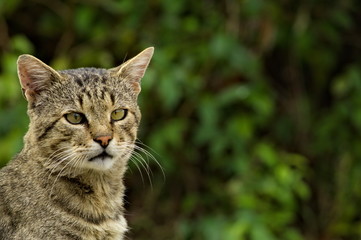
[133,70]
[34,75]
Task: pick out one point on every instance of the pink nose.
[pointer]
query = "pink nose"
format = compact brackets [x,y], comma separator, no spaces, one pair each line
[103,140]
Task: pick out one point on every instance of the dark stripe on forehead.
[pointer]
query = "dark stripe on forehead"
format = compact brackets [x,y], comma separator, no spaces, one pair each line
[94,78]
[104,79]
[102,94]
[112,98]
[87,92]
[85,77]
[80,100]
[79,82]
[106,89]
[47,129]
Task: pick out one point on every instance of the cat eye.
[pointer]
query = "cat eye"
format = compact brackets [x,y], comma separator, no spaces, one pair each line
[119,114]
[75,118]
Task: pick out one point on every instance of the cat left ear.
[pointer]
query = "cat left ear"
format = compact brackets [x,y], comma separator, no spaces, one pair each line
[34,76]
[133,70]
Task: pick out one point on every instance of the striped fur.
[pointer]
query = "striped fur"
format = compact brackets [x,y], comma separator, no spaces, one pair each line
[64,184]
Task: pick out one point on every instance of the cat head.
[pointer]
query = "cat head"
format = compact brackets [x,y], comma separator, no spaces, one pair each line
[84,118]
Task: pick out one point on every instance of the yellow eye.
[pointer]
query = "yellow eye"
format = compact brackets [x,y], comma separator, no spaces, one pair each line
[119,114]
[75,118]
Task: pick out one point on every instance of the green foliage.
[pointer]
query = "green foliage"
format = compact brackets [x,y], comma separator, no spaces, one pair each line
[251,107]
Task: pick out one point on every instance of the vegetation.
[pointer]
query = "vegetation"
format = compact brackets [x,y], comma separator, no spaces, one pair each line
[251,107]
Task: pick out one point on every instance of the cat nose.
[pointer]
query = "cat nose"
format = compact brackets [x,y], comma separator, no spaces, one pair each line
[103,140]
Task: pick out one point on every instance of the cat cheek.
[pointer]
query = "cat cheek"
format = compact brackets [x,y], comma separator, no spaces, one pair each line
[79,139]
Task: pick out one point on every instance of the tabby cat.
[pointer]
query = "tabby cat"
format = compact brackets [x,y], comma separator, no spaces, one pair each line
[67,182]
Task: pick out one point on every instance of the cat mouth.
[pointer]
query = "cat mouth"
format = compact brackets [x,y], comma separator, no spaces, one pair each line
[101,156]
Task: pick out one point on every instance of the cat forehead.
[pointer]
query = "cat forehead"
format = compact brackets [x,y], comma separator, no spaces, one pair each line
[87,76]
[85,80]
[87,87]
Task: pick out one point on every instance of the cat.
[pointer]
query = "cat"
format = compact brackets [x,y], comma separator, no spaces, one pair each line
[67,182]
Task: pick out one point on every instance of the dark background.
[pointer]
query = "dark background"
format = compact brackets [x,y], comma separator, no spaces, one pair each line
[252,108]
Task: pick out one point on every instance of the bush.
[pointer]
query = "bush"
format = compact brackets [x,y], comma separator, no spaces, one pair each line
[251,108]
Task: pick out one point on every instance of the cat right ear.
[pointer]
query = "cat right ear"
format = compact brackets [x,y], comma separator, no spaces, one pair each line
[34,76]
[133,70]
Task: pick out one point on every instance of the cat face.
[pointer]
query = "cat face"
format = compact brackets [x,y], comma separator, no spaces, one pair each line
[95,118]
[84,118]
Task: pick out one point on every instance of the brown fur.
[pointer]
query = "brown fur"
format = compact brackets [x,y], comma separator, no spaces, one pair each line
[57,187]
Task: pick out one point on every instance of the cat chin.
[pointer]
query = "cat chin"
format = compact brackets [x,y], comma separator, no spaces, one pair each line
[100,163]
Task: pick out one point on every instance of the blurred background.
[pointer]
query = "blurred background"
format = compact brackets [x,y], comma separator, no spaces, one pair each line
[252,108]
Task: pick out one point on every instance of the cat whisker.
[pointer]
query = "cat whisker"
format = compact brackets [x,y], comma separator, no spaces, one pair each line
[54,160]
[63,157]
[137,157]
[143,147]
[77,162]
[63,168]
[57,154]
[149,154]
[143,160]
[143,156]
[57,151]
[133,160]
